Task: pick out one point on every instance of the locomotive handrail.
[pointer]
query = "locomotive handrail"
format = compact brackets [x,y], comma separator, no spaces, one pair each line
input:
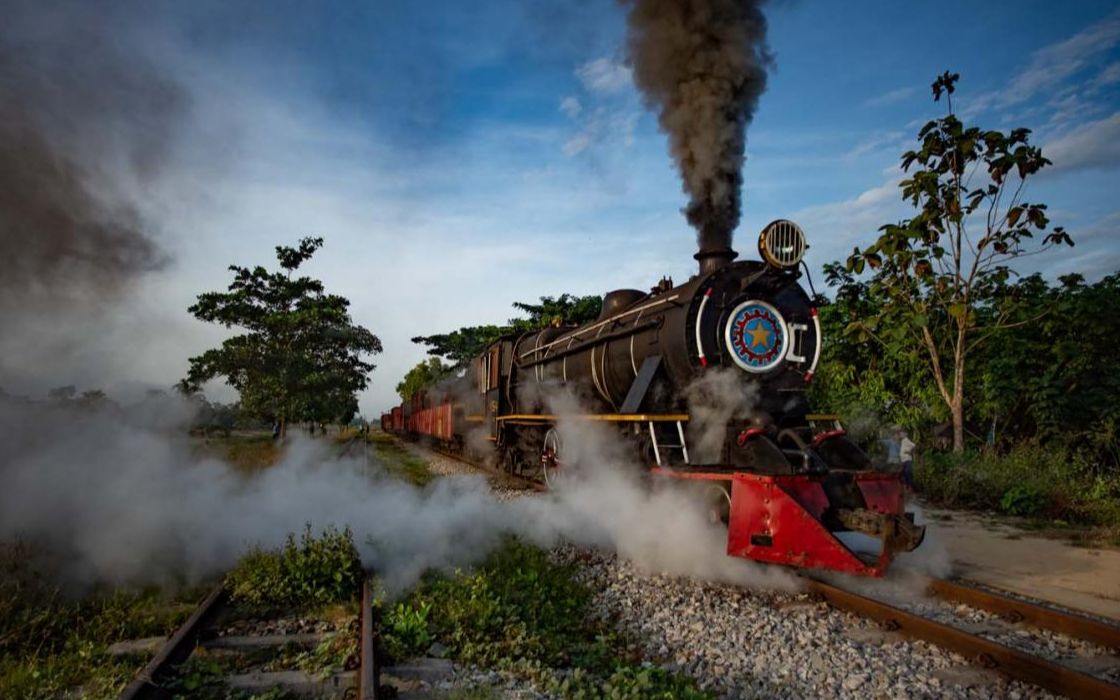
[576,333]
[606,417]
[589,343]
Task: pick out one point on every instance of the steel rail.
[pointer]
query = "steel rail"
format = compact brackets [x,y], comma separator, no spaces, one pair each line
[1015,610]
[175,650]
[1007,661]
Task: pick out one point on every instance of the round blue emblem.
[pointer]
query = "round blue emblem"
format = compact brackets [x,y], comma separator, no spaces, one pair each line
[756,335]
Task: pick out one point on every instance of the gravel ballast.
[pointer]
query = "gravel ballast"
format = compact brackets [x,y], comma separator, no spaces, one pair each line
[741,643]
[755,644]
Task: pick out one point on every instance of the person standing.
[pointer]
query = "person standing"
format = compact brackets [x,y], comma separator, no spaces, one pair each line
[906,448]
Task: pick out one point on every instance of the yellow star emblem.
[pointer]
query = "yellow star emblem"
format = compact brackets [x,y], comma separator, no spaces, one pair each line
[759,336]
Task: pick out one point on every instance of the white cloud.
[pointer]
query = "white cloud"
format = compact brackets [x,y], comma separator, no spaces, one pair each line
[603,125]
[604,76]
[571,106]
[890,97]
[1092,145]
[578,143]
[1110,75]
[1052,64]
[835,227]
[891,140]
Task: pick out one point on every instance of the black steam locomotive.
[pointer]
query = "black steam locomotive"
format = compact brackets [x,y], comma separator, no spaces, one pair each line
[789,481]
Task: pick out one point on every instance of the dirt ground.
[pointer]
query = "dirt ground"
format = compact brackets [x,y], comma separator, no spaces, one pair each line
[996,552]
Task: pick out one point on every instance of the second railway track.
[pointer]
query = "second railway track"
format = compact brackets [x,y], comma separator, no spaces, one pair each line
[988,650]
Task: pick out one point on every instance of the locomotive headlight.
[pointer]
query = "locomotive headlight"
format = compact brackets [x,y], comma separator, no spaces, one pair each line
[782,244]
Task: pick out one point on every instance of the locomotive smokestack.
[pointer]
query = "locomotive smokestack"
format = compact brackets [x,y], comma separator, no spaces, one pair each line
[713,259]
[702,64]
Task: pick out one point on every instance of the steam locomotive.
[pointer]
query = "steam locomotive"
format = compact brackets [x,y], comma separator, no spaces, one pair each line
[790,485]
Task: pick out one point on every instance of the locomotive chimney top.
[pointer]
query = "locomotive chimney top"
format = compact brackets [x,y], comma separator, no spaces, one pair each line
[712,259]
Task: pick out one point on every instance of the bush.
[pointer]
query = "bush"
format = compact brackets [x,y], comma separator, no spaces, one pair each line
[1029,480]
[315,571]
[1022,500]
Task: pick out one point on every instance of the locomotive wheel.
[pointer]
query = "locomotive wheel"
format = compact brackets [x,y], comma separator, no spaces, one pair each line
[550,458]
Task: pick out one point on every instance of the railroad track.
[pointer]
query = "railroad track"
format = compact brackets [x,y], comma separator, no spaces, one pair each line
[1012,662]
[156,679]
[522,481]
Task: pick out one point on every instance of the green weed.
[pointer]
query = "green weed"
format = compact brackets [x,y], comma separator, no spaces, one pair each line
[53,644]
[526,615]
[315,571]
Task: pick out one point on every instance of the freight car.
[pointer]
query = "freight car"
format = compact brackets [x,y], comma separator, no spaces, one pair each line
[790,484]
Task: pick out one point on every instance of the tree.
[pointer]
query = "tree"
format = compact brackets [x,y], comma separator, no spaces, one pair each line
[943,274]
[301,355]
[422,376]
[61,394]
[458,347]
[565,309]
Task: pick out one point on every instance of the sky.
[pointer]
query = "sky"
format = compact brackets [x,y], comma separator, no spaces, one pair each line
[458,157]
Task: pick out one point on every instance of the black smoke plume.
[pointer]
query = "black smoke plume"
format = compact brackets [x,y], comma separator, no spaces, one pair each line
[86,122]
[702,64]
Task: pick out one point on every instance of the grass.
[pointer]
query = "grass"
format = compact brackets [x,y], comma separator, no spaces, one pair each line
[246,451]
[1055,487]
[399,460]
[53,644]
[524,614]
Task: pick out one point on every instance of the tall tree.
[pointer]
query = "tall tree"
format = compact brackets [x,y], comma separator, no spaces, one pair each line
[301,355]
[943,274]
[422,376]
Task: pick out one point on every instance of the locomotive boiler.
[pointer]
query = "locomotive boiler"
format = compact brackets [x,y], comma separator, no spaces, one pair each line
[788,483]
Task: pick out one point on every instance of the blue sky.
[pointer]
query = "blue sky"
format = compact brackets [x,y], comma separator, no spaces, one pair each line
[461,156]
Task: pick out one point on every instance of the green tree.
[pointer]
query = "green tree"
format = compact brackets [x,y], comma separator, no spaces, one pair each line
[1059,378]
[458,347]
[563,310]
[301,355]
[422,376]
[943,274]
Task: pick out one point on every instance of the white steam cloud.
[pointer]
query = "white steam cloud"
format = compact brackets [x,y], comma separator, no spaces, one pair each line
[716,397]
[121,496]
